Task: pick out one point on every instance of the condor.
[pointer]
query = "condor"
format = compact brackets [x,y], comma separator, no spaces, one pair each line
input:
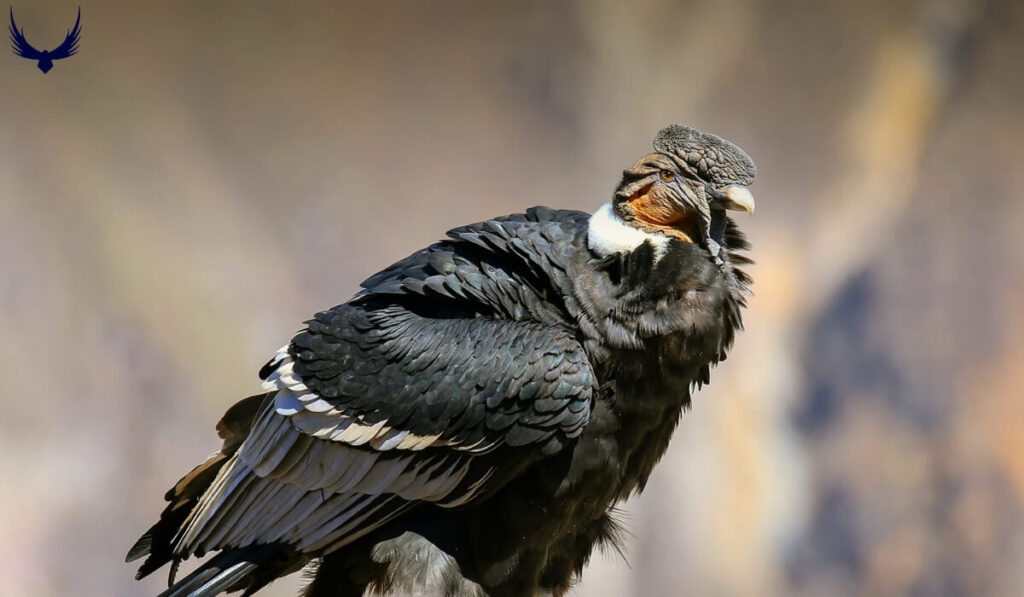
[466,423]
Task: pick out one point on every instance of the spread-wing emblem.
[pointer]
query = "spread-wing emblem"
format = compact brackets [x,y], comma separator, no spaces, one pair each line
[45,58]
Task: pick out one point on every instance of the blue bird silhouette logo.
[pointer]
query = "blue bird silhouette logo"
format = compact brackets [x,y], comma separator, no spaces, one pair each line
[21,47]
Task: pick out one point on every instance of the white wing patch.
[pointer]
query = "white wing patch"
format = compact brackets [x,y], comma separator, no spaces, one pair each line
[607,234]
[317,417]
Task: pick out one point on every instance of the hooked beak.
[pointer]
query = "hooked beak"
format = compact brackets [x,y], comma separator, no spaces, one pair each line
[732,197]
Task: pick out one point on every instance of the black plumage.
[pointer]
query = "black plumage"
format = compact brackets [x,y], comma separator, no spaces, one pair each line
[467,422]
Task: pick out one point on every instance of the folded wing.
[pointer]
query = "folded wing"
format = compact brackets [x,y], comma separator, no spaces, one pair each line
[378,409]
[450,374]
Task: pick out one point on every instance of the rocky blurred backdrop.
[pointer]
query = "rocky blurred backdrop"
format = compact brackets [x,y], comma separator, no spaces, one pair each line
[177,198]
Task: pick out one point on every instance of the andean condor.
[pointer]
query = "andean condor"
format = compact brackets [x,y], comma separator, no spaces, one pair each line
[465,424]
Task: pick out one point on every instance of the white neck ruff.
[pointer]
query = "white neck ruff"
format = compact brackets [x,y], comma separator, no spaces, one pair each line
[607,234]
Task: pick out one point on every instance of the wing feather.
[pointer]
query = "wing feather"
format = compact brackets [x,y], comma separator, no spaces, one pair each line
[406,395]
[19,44]
[69,47]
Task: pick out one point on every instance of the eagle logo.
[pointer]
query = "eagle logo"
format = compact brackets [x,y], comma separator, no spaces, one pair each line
[21,47]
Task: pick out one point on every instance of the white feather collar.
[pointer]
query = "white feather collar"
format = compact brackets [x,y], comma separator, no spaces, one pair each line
[607,234]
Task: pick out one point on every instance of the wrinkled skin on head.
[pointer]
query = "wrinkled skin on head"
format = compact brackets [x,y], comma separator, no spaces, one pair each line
[714,159]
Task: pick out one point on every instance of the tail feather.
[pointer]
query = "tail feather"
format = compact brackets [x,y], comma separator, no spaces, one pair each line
[221,574]
[247,569]
[158,541]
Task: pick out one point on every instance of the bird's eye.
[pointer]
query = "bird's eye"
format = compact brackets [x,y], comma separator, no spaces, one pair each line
[667,176]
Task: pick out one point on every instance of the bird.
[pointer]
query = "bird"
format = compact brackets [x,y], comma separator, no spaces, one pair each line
[45,58]
[469,422]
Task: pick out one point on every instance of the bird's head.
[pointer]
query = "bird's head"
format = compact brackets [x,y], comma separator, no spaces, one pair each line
[684,188]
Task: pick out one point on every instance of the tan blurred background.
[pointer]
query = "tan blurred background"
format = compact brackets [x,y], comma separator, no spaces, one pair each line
[176,199]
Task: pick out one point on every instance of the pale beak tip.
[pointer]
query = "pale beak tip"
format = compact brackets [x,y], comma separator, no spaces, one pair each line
[739,197]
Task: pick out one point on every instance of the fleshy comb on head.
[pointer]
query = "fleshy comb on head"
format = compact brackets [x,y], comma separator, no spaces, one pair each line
[716,160]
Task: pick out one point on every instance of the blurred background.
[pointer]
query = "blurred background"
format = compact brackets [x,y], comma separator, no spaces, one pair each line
[202,177]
